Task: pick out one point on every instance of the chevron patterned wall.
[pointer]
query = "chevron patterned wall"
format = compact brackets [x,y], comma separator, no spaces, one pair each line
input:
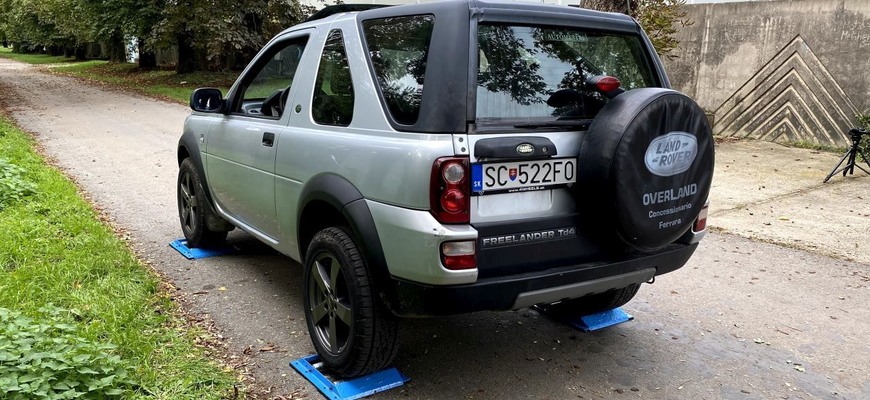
[791,98]
[781,71]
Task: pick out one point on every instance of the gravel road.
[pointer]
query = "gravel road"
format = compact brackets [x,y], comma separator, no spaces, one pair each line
[746,318]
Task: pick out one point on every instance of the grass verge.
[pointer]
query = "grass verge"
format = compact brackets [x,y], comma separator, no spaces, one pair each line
[159,83]
[6,52]
[64,272]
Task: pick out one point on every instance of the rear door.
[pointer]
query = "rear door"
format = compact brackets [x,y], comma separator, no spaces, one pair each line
[532,108]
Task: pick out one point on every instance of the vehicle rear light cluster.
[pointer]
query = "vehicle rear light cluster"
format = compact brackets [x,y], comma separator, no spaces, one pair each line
[458,255]
[449,190]
[603,83]
[607,84]
[701,222]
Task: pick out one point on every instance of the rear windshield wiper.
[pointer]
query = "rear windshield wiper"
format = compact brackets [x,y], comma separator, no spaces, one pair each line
[580,124]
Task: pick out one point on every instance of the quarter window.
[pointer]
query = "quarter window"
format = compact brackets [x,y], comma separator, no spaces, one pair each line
[398,48]
[333,89]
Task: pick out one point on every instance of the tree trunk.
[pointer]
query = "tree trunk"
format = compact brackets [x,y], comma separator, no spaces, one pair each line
[147,57]
[81,52]
[54,50]
[186,53]
[116,47]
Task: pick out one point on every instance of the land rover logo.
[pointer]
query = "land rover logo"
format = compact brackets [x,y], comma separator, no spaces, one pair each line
[671,154]
[525,149]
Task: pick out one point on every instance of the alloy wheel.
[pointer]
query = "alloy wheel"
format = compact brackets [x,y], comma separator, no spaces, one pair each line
[331,310]
[189,212]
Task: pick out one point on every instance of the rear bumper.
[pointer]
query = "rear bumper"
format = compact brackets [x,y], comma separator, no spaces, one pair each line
[522,290]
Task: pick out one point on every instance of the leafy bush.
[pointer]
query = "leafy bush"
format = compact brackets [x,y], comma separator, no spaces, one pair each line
[12,186]
[45,359]
[864,119]
[864,122]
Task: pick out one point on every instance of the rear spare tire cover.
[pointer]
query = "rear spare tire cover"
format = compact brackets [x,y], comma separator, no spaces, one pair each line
[647,163]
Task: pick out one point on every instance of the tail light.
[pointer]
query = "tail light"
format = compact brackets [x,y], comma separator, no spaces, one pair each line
[607,85]
[701,222]
[458,255]
[449,190]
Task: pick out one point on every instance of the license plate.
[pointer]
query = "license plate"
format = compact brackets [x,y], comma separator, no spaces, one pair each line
[522,176]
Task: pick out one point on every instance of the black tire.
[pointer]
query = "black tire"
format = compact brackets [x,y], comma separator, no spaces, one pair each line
[595,303]
[201,226]
[647,168]
[351,329]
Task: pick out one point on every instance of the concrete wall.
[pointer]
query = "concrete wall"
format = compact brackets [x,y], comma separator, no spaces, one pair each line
[778,70]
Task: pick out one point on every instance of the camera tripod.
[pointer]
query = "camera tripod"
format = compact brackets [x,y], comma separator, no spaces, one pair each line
[851,154]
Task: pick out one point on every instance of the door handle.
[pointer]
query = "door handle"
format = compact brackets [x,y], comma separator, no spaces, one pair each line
[268,139]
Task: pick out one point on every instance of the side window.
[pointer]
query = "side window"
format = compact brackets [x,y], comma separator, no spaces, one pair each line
[266,94]
[398,48]
[332,103]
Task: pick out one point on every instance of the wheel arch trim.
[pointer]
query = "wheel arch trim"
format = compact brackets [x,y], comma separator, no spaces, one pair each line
[347,200]
[189,148]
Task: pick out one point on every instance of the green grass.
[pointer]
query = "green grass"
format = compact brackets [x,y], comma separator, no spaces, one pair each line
[56,251]
[160,83]
[6,52]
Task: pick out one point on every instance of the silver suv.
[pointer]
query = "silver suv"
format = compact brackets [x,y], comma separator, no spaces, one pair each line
[450,157]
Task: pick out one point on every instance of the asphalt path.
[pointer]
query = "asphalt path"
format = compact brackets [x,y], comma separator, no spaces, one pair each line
[743,319]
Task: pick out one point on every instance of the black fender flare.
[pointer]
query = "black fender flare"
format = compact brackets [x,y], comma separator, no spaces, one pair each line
[188,147]
[343,196]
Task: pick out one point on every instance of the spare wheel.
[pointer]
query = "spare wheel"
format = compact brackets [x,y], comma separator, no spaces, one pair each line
[647,163]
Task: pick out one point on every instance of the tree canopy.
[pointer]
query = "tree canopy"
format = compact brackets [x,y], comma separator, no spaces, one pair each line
[210,34]
[659,18]
[218,34]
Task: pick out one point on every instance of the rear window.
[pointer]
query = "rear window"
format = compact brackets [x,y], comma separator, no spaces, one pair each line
[399,47]
[520,69]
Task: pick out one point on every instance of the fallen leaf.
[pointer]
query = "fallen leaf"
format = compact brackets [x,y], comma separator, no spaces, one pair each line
[799,368]
[222,289]
[268,347]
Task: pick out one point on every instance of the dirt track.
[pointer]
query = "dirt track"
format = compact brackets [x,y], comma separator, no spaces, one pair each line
[734,323]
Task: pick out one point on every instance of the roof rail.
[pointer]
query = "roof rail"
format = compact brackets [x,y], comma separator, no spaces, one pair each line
[342,8]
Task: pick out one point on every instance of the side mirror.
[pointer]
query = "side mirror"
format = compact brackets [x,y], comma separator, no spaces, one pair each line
[209,100]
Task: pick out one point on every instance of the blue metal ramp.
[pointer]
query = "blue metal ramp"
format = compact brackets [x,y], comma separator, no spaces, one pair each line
[588,323]
[356,388]
[196,253]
